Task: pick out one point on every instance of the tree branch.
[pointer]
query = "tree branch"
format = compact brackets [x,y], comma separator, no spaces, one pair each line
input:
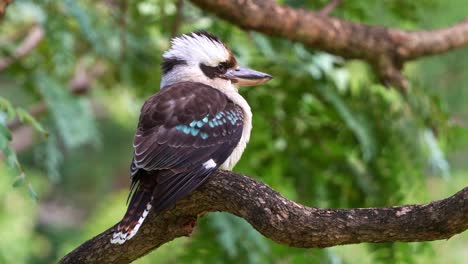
[34,37]
[282,220]
[387,49]
[79,85]
[179,17]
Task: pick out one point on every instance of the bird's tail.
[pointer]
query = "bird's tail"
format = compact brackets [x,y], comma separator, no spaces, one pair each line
[138,209]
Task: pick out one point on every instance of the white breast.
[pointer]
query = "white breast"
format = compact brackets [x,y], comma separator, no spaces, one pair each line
[247,127]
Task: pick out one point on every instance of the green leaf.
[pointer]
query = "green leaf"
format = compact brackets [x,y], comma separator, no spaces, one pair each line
[236,236]
[3,142]
[86,24]
[264,45]
[437,160]
[359,128]
[10,156]
[72,116]
[5,132]
[8,152]
[32,193]
[25,117]
[19,181]
[5,136]
[6,106]
[52,158]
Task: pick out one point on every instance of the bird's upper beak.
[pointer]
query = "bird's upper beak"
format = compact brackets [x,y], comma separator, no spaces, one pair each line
[246,77]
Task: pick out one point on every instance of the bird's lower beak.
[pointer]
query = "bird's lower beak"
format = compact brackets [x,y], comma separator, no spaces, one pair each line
[247,77]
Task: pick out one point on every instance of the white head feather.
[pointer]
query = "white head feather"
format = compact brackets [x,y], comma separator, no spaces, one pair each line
[191,50]
[182,63]
[198,47]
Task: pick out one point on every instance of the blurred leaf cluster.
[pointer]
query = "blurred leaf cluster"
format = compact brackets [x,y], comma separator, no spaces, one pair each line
[326,134]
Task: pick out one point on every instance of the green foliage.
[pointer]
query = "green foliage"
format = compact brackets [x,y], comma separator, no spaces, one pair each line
[235,241]
[9,113]
[73,118]
[325,133]
[18,218]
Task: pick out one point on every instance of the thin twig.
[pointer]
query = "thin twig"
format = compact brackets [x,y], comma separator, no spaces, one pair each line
[32,39]
[79,85]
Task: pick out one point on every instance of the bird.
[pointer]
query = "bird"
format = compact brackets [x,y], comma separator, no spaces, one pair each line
[197,123]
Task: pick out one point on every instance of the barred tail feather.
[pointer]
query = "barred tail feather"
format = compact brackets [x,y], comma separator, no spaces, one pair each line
[138,209]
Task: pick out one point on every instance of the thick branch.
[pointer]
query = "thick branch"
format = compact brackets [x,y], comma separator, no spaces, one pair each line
[384,48]
[423,43]
[283,221]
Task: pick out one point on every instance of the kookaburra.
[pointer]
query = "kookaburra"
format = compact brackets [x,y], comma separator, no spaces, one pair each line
[196,124]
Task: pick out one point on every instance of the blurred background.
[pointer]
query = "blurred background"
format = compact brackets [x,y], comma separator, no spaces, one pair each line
[326,133]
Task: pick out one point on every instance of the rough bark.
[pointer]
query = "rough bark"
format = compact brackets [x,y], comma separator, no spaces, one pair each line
[282,220]
[386,49]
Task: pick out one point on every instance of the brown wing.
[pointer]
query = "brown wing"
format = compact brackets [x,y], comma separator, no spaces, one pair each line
[185,132]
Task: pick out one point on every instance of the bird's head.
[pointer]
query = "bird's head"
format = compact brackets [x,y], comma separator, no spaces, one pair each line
[202,57]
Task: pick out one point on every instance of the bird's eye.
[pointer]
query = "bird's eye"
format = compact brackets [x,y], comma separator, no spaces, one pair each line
[221,68]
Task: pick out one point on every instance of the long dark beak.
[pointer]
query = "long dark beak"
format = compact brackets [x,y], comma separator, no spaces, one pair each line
[246,77]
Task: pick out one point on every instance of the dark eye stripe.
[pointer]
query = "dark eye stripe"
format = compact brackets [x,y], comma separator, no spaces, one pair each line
[214,71]
[210,72]
[222,67]
[169,63]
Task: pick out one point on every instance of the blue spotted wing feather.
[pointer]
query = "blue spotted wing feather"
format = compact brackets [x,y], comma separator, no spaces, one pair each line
[185,132]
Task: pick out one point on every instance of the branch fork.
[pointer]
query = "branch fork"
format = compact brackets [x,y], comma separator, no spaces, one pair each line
[386,49]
